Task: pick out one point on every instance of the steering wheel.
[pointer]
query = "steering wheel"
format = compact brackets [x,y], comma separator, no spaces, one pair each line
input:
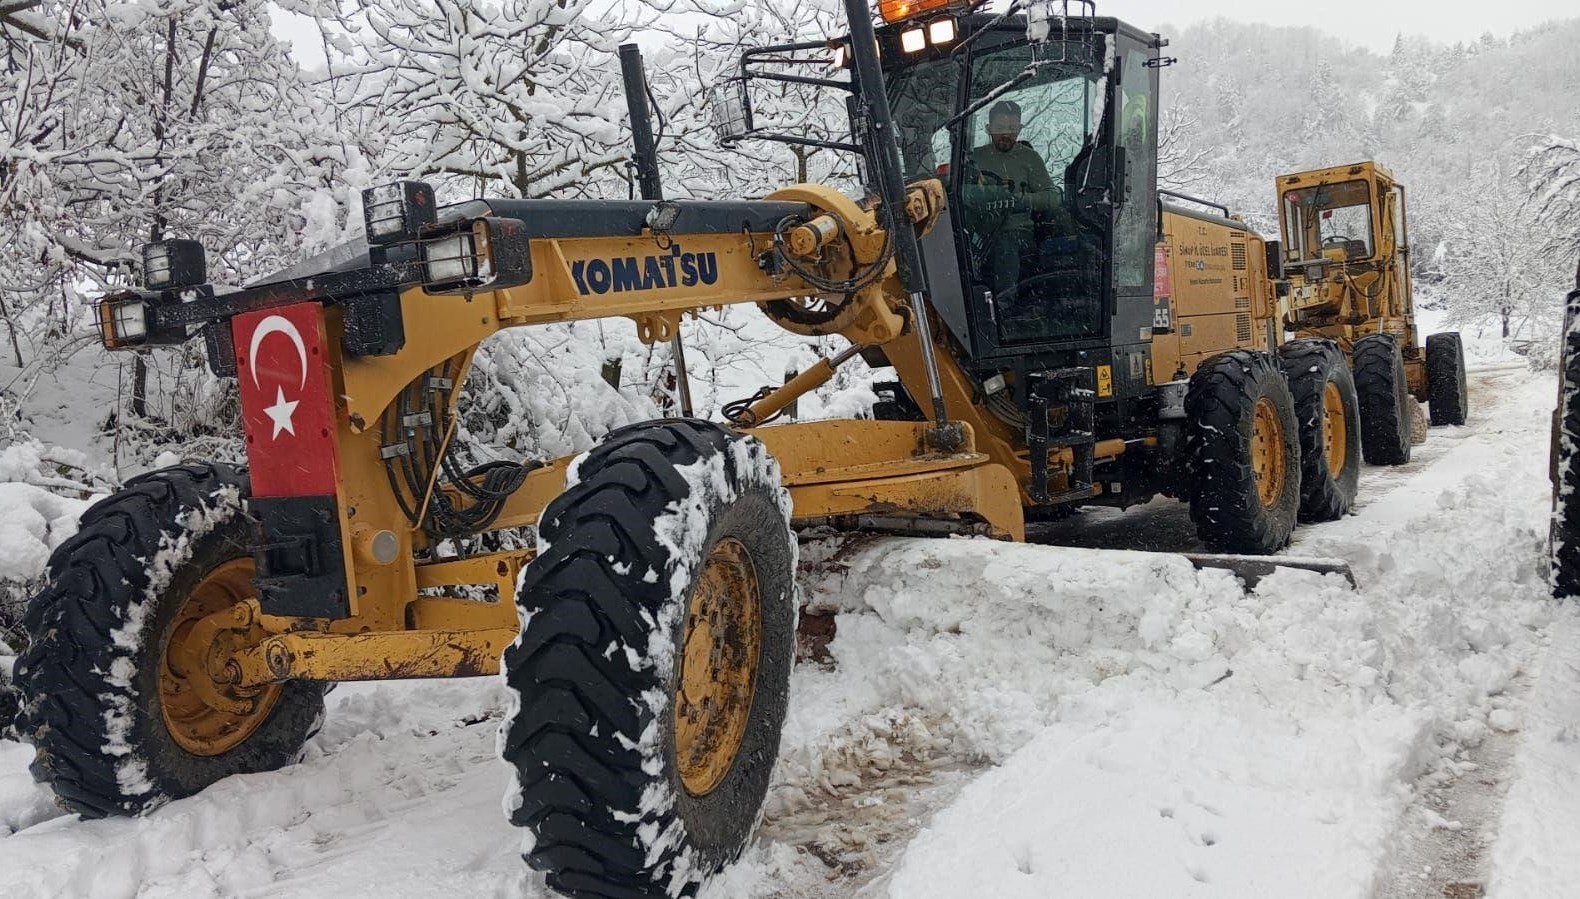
[989,202]
[1335,239]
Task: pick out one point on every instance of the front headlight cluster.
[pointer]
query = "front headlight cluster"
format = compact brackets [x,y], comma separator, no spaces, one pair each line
[403,229]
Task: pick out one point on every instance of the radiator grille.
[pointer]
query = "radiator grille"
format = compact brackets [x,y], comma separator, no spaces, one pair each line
[1242,328]
[1237,256]
[1242,302]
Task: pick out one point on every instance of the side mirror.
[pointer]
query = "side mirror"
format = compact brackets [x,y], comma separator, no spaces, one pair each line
[730,111]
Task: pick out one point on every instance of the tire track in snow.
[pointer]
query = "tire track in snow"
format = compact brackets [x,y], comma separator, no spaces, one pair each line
[1440,847]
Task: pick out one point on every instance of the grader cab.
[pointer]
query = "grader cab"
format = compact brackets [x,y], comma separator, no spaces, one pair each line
[1346,258]
[1066,336]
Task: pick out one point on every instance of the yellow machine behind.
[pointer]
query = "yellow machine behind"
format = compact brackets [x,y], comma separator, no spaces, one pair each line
[1346,258]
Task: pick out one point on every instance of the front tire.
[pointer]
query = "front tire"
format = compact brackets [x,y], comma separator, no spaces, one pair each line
[1242,446]
[1384,392]
[111,700]
[1329,415]
[651,674]
[1448,399]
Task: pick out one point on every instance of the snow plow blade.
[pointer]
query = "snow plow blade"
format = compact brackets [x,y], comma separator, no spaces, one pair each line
[1251,569]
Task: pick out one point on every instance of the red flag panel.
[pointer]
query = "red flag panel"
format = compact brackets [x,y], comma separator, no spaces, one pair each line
[282,368]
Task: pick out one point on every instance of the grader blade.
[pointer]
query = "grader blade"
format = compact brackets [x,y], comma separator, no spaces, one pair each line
[1251,569]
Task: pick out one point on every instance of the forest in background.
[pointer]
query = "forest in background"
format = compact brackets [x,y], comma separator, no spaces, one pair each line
[1482,135]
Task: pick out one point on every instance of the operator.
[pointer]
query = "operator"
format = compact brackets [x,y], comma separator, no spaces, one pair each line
[1010,164]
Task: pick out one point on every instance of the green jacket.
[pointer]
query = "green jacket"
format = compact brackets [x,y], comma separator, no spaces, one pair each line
[1024,173]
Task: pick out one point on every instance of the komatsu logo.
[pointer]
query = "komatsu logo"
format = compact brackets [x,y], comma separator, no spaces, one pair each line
[632,273]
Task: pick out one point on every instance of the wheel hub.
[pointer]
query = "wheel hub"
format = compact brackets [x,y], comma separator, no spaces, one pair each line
[1267,453]
[203,710]
[1335,430]
[718,667]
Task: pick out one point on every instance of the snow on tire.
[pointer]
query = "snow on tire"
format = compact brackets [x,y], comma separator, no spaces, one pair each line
[1564,542]
[1448,398]
[1384,393]
[117,730]
[1243,450]
[649,682]
[1329,415]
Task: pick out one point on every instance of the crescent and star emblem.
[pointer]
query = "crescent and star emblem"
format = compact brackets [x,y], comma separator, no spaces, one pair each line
[282,411]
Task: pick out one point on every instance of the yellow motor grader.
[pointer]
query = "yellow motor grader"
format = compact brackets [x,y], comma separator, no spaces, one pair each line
[1084,339]
[1345,261]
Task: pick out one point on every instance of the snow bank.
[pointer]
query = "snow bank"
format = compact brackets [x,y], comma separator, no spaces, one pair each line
[1157,731]
[39,507]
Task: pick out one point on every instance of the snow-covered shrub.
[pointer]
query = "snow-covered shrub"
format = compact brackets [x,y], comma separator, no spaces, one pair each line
[43,491]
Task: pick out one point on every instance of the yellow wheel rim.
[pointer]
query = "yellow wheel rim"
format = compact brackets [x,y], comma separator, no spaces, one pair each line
[718,668]
[1335,430]
[202,714]
[1267,453]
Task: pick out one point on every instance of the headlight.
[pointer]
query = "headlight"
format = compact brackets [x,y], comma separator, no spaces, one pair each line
[913,40]
[174,264]
[123,322]
[398,212]
[730,111]
[490,252]
[451,260]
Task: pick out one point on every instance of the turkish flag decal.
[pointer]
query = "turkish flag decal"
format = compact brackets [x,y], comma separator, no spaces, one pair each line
[282,369]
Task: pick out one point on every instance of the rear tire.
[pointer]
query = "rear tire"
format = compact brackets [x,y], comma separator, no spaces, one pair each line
[1384,393]
[658,569]
[1243,451]
[1329,415]
[95,681]
[1448,398]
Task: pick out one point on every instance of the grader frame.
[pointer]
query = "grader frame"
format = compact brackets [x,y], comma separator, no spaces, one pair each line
[398,617]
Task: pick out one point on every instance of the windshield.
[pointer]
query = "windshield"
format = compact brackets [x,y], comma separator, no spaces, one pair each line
[1013,180]
[1331,221]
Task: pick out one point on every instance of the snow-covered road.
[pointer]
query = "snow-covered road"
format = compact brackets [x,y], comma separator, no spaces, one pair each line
[1012,720]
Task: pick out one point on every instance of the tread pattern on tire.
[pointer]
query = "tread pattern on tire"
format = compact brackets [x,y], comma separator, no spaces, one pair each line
[1565,534]
[1448,399]
[1384,392]
[599,584]
[1309,364]
[1219,407]
[94,582]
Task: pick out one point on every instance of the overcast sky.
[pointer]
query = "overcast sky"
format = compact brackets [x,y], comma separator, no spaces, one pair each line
[1372,23]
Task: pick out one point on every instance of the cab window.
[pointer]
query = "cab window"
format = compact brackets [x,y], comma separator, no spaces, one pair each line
[1328,221]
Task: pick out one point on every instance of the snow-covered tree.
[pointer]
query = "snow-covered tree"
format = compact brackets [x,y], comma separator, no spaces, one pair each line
[122,124]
